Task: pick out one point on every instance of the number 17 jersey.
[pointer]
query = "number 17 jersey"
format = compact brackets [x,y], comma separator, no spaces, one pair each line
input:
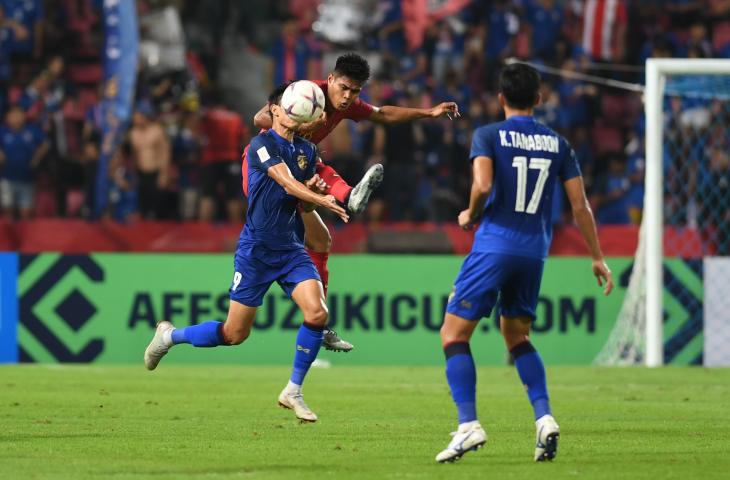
[528,159]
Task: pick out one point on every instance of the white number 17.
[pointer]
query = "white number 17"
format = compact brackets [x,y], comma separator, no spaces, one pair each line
[542,164]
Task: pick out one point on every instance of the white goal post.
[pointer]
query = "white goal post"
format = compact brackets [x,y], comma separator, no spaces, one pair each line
[653,223]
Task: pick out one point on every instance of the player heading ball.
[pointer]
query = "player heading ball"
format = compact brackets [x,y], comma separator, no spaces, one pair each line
[281,175]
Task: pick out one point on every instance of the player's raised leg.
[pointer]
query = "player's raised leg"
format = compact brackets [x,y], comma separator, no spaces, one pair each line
[532,373]
[309,296]
[234,331]
[461,375]
[318,242]
[355,198]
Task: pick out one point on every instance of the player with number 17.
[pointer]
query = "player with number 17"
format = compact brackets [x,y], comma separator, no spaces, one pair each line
[516,164]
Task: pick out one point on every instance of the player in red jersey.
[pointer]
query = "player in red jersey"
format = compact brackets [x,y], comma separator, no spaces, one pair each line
[342,96]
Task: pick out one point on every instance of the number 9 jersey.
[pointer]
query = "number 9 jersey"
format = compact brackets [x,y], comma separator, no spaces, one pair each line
[527,158]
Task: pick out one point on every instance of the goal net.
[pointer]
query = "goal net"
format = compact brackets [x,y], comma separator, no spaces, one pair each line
[679,286]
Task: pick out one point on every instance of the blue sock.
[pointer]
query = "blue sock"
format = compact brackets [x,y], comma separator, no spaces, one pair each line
[309,339]
[206,334]
[462,377]
[532,373]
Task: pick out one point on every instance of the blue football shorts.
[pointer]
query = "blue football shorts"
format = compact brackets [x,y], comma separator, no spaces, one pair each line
[257,267]
[486,277]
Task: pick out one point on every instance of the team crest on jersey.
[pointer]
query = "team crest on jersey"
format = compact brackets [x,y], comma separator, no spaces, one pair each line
[302,161]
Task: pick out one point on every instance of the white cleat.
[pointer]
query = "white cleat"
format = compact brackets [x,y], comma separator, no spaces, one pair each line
[157,347]
[360,195]
[332,341]
[546,441]
[465,440]
[295,401]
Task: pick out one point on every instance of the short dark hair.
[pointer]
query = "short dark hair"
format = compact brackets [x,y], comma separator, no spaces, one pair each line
[520,85]
[353,66]
[276,93]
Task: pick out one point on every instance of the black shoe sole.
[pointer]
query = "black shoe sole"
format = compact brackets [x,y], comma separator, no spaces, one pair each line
[551,448]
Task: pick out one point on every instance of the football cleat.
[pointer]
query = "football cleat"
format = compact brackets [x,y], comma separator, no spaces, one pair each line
[332,341]
[546,442]
[157,347]
[360,195]
[465,440]
[295,401]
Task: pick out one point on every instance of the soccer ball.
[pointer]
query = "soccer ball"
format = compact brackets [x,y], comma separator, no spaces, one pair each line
[303,101]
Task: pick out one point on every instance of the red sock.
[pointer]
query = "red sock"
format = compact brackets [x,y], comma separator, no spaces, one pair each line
[320,263]
[337,186]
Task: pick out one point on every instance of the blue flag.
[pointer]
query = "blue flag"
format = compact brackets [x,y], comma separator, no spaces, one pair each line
[121,45]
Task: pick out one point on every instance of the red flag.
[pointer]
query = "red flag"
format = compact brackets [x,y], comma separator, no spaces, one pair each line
[603,21]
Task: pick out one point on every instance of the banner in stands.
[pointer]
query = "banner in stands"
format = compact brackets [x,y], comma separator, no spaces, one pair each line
[103,308]
[121,45]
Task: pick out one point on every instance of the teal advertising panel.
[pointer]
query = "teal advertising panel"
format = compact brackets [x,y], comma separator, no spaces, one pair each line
[103,308]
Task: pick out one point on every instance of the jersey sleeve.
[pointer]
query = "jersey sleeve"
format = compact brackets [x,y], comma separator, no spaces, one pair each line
[262,156]
[359,110]
[570,168]
[312,168]
[481,144]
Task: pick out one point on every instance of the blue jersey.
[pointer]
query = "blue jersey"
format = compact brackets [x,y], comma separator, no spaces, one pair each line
[19,147]
[272,219]
[528,158]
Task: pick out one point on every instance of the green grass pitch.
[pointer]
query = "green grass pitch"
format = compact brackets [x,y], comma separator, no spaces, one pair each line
[180,422]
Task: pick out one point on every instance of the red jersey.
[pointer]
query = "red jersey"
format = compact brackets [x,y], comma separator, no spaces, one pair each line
[224,132]
[358,110]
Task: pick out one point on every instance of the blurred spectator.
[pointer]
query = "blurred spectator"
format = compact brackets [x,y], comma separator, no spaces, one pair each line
[10,33]
[28,13]
[22,147]
[577,97]
[93,119]
[123,196]
[292,56]
[635,173]
[698,44]
[388,20]
[150,148]
[398,146]
[31,100]
[546,19]
[502,26]
[448,50]
[611,199]
[224,136]
[186,149]
[89,160]
[584,151]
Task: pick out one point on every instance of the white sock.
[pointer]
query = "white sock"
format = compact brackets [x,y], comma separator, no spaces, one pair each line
[293,388]
[167,337]
[463,427]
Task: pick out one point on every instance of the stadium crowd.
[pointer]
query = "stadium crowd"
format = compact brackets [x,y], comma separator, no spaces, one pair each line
[181,157]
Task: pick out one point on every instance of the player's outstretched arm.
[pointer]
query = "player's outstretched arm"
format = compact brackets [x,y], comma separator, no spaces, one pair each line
[481,187]
[392,114]
[587,226]
[281,174]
